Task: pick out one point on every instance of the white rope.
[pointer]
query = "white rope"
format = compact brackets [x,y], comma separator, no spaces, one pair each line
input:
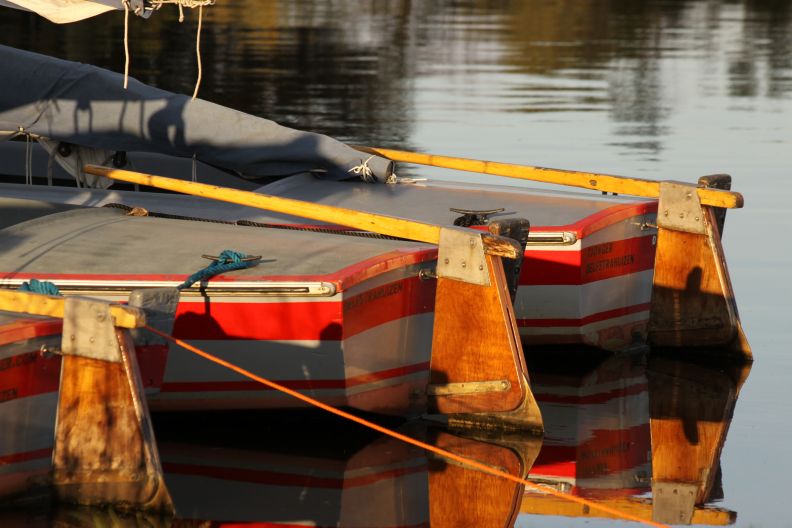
[364,171]
[126,44]
[198,51]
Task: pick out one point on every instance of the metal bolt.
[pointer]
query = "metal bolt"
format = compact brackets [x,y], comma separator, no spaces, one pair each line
[446,261]
[689,195]
[681,215]
[697,219]
[665,212]
[481,267]
[91,339]
[72,337]
[100,317]
[464,264]
[472,243]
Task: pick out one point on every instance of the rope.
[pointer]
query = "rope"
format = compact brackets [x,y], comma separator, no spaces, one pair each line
[126,44]
[433,449]
[198,57]
[37,286]
[227,261]
[364,171]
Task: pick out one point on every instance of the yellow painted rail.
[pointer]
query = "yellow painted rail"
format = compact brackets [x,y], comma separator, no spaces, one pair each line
[585,180]
[376,223]
[51,306]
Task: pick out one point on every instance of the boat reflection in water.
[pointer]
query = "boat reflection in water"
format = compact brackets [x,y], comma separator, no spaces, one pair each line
[639,435]
[310,470]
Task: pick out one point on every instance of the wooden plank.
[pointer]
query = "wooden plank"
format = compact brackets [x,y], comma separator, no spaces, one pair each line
[53,306]
[104,443]
[692,298]
[480,345]
[375,223]
[538,504]
[585,180]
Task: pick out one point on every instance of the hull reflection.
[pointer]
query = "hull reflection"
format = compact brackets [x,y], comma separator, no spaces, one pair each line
[297,477]
[642,436]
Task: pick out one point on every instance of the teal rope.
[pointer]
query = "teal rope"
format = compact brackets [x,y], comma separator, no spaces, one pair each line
[37,286]
[227,261]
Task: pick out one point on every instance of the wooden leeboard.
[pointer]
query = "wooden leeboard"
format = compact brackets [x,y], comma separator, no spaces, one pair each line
[460,496]
[476,339]
[104,446]
[692,299]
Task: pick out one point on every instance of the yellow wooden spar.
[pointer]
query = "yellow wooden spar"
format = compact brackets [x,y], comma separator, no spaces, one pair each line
[585,180]
[51,306]
[376,223]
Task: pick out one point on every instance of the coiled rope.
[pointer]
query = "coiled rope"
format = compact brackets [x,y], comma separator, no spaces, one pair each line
[37,286]
[384,430]
[227,261]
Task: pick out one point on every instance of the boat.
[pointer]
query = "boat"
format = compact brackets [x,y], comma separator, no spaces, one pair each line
[591,273]
[363,328]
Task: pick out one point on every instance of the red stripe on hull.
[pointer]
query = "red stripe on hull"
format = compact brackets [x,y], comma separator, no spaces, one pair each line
[593,263]
[620,257]
[363,379]
[387,303]
[265,321]
[17,458]
[593,318]
[28,374]
[23,329]
[320,320]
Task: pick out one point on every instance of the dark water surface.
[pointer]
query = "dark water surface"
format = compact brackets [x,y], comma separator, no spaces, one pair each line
[654,89]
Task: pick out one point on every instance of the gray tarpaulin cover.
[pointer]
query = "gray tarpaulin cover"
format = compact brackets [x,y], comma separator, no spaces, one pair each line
[88,106]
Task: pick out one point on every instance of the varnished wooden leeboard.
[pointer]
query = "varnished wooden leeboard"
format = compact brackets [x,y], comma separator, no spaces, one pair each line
[476,339]
[104,451]
[693,300]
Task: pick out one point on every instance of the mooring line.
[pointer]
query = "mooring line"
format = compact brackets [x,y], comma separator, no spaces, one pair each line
[384,430]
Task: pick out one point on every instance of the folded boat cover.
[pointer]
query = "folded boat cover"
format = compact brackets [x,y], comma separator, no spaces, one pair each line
[88,106]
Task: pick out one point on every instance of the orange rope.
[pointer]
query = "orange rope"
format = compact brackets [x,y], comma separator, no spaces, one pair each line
[442,452]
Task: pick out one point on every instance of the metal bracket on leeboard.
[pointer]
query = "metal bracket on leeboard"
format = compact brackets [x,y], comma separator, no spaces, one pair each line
[679,208]
[88,330]
[460,256]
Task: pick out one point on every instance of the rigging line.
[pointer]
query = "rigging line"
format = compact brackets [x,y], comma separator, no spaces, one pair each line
[126,44]
[384,430]
[198,52]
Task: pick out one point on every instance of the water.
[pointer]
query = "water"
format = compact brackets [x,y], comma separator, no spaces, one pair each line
[654,89]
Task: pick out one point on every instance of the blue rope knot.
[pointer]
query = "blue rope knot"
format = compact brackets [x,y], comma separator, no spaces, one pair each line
[227,261]
[37,286]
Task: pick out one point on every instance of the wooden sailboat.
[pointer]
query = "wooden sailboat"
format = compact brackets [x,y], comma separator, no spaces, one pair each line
[362,327]
[600,269]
